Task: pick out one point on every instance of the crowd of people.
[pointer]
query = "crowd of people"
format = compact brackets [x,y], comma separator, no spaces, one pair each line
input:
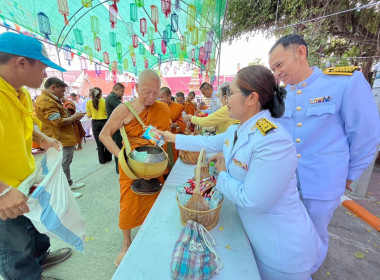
[283,159]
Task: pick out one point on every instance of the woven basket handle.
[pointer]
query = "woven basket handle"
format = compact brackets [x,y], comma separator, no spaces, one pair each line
[201,162]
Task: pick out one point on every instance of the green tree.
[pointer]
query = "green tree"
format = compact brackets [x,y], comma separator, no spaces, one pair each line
[335,39]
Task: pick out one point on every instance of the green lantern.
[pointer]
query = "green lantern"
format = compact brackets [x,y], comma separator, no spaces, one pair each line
[202,35]
[125,64]
[191,14]
[78,36]
[142,49]
[169,33]
[151,33]
[139,3]
[119,50]
[173,48]
[113,39]
[133,12]
[194,36]
[94,25]
[87,3]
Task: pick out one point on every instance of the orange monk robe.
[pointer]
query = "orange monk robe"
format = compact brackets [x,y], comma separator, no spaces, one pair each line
[176,110]
[190,108]
[133,207]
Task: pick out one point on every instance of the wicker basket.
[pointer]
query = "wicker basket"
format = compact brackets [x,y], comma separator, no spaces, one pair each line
[189,157]
[209,218]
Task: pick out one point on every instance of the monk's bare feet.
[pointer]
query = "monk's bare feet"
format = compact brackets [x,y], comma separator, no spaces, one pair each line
[120,257]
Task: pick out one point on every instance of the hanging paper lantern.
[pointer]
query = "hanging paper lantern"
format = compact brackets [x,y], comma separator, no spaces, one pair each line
[139,3]
[119,69]
[113,15]
[191,14]
[187,67]
[202,36]
[106,58]
[146,63]
[169,31]
[166,7]
[174,22]
[98,71]
[166,69]
[163,47]
[130,30]
[183,42]
[113,39]
[201,53]
[165,37]
[141,49]
[44,24]
[178,47]
[113,65]
[208,47]
[78,36]
[119,50]
[194,36]
[196,54]
[151,48]
[187,38]
[177,6]
[154,16]
[67,53]
[159,60]
[210,35]
[173,48]
[133,13]
[131,49]
[125,64]
[94,25]
[135,71]
[88,51]
[133,56]
[143,26]
[150,33]
[192,55]
[63,9]
[135,41]
[171,57]
[83,63]
[175,70]
[98,44]
[87,3]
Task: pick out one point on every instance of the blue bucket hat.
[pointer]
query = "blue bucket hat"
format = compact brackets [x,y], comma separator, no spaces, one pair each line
[26,46]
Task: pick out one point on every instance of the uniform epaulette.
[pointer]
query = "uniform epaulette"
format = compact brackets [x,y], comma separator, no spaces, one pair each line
[264,126]
[341,70]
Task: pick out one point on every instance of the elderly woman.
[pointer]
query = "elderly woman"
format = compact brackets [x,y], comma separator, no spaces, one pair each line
[257,173]
[96,109]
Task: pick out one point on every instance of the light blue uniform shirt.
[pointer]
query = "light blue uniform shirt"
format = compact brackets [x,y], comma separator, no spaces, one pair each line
[261,181]
[335,139]
[214,103]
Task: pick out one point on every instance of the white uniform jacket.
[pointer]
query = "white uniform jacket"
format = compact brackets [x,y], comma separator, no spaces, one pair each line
[261,181]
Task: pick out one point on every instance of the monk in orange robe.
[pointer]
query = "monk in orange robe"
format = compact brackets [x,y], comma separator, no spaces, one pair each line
[189,107]
[133,207]
[177,125]
[190,98]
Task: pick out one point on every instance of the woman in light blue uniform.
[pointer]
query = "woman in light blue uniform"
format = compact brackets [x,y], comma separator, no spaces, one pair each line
[257,172]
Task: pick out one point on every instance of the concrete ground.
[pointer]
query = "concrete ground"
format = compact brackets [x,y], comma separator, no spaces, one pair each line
[100,206]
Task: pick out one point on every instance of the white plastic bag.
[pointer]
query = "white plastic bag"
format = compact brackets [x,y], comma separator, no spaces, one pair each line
[53,208]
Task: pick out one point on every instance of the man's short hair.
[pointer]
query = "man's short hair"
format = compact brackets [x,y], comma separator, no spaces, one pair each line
[205,85]
[289,40]
[117,86]
[166,90]
[5,57]
[192,93]
[180,94]
[73,94]
[54,82]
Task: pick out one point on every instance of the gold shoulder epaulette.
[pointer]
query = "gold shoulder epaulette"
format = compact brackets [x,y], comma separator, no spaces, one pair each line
[349,70]
[264,126]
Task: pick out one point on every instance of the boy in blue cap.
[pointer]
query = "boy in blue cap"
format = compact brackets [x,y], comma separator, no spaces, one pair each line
[23,250]
[334,123]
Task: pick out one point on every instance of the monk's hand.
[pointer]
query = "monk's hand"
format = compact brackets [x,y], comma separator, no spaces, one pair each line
[13,204]
[168,136]
[47,142]
[187,118]
[173,125]
[220,163]
[348,185]
[213,158]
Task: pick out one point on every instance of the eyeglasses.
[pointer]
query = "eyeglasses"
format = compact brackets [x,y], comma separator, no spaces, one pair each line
[229,92]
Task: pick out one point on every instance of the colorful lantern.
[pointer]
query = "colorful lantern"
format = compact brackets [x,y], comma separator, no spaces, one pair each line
[113,65]
[154,16]
[175,70]
[139,3]
[210,35]
[163,47]
[208,47]
[129,26]
[143,26]
[113,15]
[78,36]
[67,53]
[98,44]
[169,31]
[87,3]
[188,66]
[165,37]
[131,49]
[202,36]
[135,41]
[166,7]
[125,64]
[98,70]
[44,24]
[159,60]
[106,58]
[133,56]
[191,14]
[119,69]
[194,36]
[146,63]
[201,53]
[173,48]
[119,50]
[133,13]
[151,48]
[141,49]
[192,55]
[150,33]
[174,22]
[83,63]
[94,25]
[113,39]
[63,9]
[177,6]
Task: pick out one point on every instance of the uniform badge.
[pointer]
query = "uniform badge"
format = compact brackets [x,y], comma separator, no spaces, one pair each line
[320,99]
[348,71]
[227,142]
[264,126]
[240,164]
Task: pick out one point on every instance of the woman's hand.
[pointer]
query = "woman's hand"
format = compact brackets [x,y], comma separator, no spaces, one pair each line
[187,118]
[220,163]
[168,136]
[47,142]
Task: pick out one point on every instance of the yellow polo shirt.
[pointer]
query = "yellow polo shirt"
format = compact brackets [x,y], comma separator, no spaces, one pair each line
[16,134]
[100,114]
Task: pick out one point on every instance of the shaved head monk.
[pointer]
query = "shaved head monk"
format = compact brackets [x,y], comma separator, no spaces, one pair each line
[189,107]
[177,125]
[133,207]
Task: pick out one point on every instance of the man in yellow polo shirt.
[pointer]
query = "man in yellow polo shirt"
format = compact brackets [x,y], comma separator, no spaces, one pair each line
[23,250]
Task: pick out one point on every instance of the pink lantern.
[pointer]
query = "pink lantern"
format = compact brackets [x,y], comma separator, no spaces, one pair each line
[163,47]
[83,63]
[98,44]
[201,53]
[63,9]
[192,54]
[106,58]
[154,16]
[113,15]
[133,56]
[166,7]
[135,41]
[187,67]
[146,63]
[143,26]
[151,47]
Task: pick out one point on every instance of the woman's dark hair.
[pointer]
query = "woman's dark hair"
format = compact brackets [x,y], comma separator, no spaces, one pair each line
[95,94]
[260,79]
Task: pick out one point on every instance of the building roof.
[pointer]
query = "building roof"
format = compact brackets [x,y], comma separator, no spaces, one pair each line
[106,86]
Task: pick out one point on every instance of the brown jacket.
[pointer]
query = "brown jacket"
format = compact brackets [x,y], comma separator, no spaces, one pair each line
[51,113]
